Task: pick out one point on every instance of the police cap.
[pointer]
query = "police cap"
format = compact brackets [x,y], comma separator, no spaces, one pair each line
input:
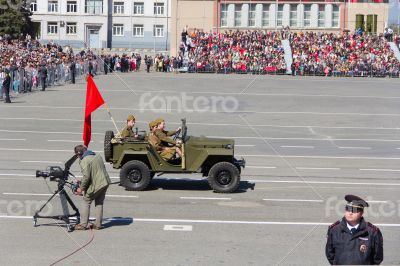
[355,202]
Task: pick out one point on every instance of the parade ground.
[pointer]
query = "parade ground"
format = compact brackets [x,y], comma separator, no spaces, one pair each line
[307,142]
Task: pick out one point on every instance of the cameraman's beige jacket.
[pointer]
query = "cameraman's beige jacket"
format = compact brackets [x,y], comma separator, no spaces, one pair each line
[95,176]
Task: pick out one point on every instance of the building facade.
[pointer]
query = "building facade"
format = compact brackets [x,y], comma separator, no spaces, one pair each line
[104,23]
[300,15]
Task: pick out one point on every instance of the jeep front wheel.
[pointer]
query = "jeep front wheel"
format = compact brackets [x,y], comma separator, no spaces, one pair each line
[135,175]
[224,177]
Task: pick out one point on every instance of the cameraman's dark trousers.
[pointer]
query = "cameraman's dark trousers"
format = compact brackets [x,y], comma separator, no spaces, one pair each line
[98,199]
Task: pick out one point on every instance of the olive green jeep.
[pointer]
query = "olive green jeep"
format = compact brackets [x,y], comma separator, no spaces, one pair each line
[139,161]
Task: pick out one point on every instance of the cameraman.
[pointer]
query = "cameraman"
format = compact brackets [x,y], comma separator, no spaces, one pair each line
[93,187]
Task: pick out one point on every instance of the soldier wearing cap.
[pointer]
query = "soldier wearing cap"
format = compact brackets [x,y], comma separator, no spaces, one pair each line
[167,145]
[128,130]
[352,240]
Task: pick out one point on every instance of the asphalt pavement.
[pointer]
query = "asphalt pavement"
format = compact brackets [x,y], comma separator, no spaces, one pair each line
[307,141]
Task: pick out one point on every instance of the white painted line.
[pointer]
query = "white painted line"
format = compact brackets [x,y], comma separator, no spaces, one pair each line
[186,228]
[14,139]
[301,147]
[380,170]
[204,198]
[39,194]
[17,175]
[211,221]
[356,148]
[317,157]
[261,167]
[244,145]
[294,200]
[64,140]
[323,182]
[317,168]
[377,201]
[40,162]
[39,150]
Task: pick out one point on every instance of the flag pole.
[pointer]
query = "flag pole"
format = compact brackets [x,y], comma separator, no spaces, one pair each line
[112,119]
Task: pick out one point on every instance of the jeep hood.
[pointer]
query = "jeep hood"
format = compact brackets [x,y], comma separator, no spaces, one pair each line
[205,142]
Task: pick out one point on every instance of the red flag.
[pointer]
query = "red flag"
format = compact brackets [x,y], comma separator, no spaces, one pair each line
[93,101]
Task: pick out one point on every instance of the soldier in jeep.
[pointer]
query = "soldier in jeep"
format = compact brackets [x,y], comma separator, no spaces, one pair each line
[161,141]
[128,129]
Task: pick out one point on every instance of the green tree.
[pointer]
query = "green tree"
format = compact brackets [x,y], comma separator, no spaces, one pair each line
[15,17]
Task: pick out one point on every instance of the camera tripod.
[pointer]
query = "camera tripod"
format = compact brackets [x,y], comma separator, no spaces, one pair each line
[65,216]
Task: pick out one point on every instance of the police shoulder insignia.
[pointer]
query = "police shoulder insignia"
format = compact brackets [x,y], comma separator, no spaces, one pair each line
[373,227]
[334,224]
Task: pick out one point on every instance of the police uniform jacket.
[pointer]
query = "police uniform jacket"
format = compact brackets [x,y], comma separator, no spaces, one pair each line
[364,247]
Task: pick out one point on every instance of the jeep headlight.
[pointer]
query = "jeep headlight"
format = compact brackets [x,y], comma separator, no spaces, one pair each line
[228,146]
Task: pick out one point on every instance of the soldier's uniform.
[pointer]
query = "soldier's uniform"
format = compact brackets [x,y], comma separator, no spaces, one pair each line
[167,153]
[127,132]
[361,246]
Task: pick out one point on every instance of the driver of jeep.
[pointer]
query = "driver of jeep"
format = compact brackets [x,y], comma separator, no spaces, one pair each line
[166,146]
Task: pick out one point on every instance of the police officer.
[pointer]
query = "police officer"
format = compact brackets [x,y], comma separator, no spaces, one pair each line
[6,85]
[43,75]
[72,68]
[352,240]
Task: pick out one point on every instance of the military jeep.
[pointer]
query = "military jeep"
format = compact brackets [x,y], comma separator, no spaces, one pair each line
[140,162]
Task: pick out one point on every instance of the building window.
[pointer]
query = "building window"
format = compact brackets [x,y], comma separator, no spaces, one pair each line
[307,16]
[118,30]
[158,8]
[335,16]
[293,15]
[252,15]
[238,15]
[94,7]
[33,5]
[52,7]
[158,31]
[71,28]
[279,15]
[224,15]
[118,7]
[321,16]
[71,7]
[265,15]
[138,8]
[52,28]
[138,30]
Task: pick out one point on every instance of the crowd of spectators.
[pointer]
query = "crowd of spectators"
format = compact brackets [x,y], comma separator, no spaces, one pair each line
[233,51]
[342,54]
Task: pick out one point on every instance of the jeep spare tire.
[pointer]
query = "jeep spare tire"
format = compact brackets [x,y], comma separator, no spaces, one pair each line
[224,177]
[108,149]
[135,175]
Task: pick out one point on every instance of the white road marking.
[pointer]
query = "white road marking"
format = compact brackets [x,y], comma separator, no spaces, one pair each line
[243,145]
[13,139]
[317,168]
[260,167]
[39,150]
[204,198]
[210,221]
[323,182]
[40,162]
[171,227]
[64,140]
[294,200]
[380,170]
[301,147]
[39,194]
[310,127]
[318,157]
[356,148]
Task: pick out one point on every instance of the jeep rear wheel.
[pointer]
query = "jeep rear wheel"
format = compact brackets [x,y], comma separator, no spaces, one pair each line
[224,177]
[135,175]
[108,149]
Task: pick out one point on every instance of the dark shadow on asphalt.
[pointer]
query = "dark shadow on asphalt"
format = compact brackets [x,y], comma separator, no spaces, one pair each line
[191,184]
[116,221]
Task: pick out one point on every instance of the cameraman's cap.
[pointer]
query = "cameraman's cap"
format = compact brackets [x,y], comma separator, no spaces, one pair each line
[355,202]
[130,118]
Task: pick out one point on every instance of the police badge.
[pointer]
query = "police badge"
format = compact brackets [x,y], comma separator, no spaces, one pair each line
[363,248]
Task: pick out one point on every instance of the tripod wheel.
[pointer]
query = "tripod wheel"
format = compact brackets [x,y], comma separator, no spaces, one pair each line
[34,222]
[70,228]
